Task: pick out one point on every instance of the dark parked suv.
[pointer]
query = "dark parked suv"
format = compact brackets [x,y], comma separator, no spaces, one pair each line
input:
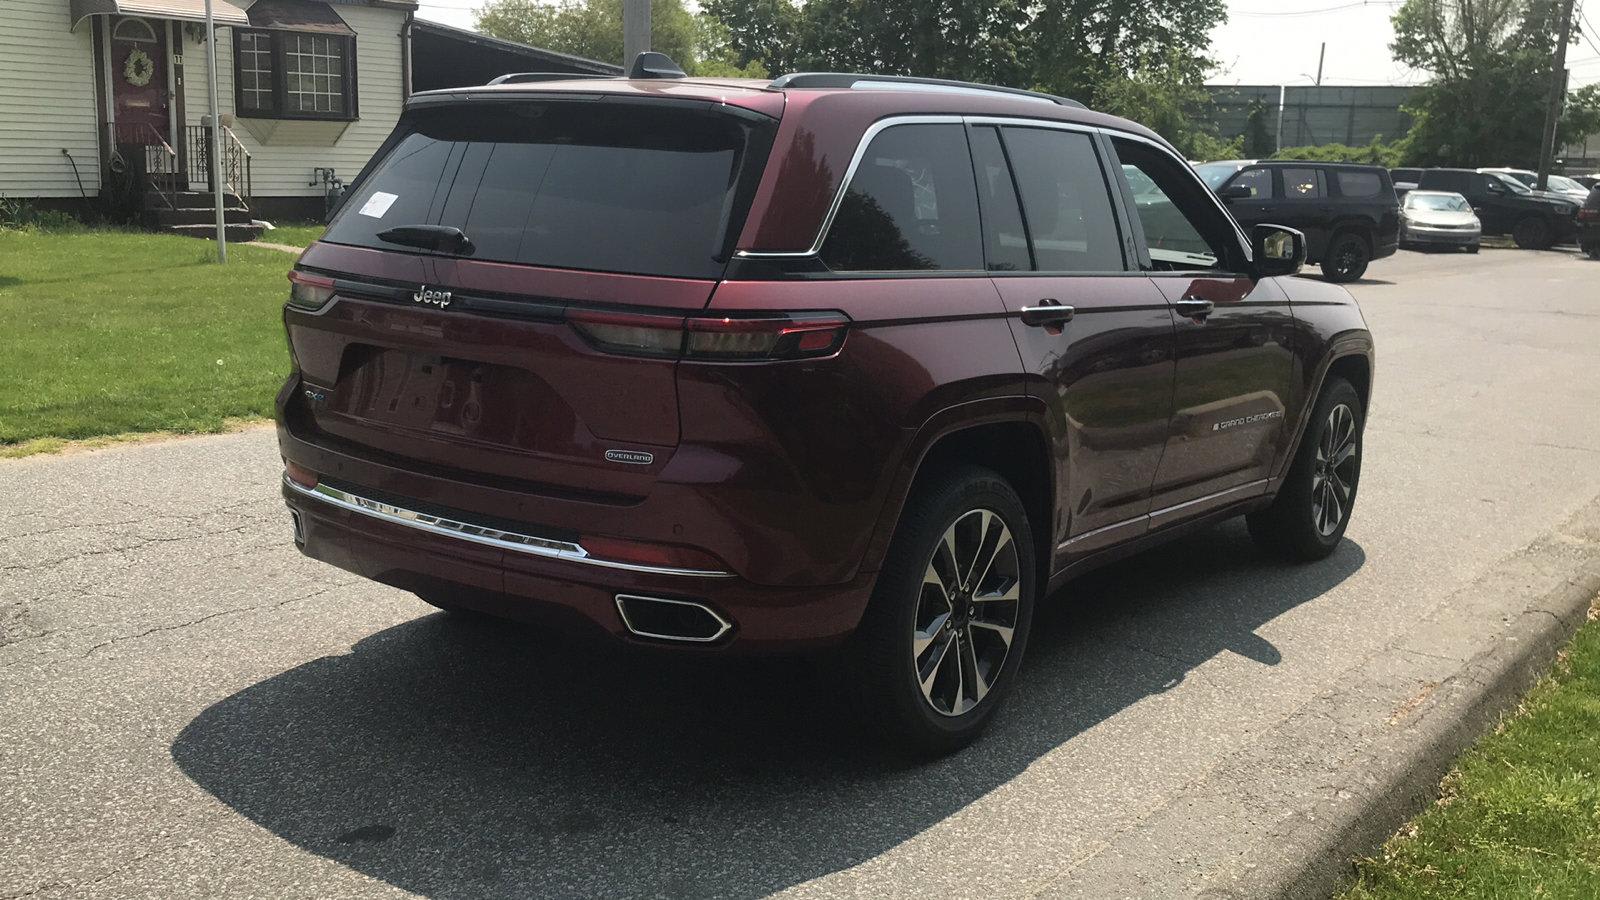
[1504,205]
[1348,213]
[830,361]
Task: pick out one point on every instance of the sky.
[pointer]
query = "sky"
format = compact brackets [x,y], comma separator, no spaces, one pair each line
[1270,42]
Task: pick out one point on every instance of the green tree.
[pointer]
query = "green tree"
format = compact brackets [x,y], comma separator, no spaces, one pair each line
[1490,63]
[1170,99]
[1258,138]
[765,31]
[593,28]
[970,40]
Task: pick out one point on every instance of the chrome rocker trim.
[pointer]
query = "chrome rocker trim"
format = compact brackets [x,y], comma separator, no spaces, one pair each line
[481,534]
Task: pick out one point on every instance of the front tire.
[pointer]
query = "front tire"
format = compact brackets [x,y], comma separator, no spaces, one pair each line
[1309,516]
[1346,259]
[941,640]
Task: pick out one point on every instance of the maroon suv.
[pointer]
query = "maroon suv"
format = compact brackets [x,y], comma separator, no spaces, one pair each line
[833,360]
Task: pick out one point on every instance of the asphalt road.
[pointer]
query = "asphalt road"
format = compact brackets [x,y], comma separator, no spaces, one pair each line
[190,708]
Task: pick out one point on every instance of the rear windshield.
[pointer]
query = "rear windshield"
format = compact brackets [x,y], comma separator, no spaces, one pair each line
[640,189]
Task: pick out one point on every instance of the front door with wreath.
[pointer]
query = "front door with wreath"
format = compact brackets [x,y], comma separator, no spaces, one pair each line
[139,81]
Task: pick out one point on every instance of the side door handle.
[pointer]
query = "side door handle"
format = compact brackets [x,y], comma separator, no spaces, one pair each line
[1048,312]
[1194,307]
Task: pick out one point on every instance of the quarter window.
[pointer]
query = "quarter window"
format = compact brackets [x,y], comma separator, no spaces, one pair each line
[1065,202]
[1304,184]
[1359,184]
[911,205]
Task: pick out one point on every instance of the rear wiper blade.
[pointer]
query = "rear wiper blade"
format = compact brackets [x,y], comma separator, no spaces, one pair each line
[443,238]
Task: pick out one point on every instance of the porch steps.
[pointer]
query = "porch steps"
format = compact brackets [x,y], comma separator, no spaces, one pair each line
[196,213]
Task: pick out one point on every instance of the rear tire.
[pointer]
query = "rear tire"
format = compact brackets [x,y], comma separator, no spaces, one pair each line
[1346,258]
[1472,248]
[1592,250]
[940,643]
[1531,233]
[1312,510]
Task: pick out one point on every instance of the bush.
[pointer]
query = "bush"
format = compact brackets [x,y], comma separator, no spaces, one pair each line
[20,214]
[1376,153]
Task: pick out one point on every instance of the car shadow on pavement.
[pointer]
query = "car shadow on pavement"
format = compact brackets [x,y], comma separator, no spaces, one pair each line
[460,758]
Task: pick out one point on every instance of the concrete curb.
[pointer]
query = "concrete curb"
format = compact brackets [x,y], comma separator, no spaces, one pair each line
[1356,762]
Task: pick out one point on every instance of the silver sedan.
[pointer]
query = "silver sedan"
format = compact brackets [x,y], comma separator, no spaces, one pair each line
[1440,219]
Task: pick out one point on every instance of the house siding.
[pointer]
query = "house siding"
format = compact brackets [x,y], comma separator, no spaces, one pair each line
[283,168]
[47,101]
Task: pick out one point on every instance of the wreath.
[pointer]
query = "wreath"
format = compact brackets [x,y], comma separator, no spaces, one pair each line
[139,69]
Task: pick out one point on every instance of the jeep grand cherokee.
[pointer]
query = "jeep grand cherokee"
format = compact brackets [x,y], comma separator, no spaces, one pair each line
[828,360]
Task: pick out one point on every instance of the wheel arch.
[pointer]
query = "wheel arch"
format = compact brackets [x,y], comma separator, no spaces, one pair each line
[1008,436]
[1349,357]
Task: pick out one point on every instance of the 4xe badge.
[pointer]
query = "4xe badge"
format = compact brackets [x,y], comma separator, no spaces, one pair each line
[440,299]
[631,457]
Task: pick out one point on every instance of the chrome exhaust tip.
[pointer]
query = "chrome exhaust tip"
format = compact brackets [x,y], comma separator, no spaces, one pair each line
[671,620]
[298,527]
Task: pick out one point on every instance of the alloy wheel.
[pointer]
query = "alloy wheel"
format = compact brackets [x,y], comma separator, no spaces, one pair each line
[966,612]
[1348,258]
[1333,476]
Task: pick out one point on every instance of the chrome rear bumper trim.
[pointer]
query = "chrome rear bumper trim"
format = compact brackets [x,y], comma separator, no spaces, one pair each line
[481,534]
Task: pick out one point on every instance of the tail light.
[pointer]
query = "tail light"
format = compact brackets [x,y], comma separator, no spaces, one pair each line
[309,291]
[714,338]
[300,474]
[639,553]
[1588,213]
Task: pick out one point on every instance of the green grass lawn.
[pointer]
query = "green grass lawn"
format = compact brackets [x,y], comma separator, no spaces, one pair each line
[107,332]
[294,235]
[1520,812]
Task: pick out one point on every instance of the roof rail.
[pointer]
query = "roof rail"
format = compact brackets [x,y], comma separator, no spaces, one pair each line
[909,82]
[528,77]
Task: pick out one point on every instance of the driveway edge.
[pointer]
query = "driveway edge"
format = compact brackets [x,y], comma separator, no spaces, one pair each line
[1334,780]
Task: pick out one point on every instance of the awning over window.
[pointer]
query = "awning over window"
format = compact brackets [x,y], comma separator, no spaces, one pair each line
[222,12]
[297,15]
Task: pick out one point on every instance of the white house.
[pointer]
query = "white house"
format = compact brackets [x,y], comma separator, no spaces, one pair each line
[91,89]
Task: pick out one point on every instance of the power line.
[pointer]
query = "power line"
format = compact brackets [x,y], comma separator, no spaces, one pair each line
[1296,13]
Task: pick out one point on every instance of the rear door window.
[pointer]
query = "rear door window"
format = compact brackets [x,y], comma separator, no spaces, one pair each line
[1359,184]
[912,204]
[1304,184]
[1065,201]
[581,185]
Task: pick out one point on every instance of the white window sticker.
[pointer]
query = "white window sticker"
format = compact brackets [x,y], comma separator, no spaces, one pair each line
[378,204]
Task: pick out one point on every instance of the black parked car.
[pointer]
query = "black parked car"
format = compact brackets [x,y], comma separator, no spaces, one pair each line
[1348,212]
[1405,181]
[1589,224]
[1506,206]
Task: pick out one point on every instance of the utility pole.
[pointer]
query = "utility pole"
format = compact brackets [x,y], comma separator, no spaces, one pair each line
[1324,52]
[635,30]
[1558,95]
[215,151]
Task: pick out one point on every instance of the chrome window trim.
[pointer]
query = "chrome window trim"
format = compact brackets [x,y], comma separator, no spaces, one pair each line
[480,534]
[882,125]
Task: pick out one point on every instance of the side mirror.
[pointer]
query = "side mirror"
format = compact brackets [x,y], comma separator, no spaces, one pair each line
[1276,250]
[1236,192]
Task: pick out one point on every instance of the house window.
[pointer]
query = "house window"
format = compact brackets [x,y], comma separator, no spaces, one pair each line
[294,75]
[254,65]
